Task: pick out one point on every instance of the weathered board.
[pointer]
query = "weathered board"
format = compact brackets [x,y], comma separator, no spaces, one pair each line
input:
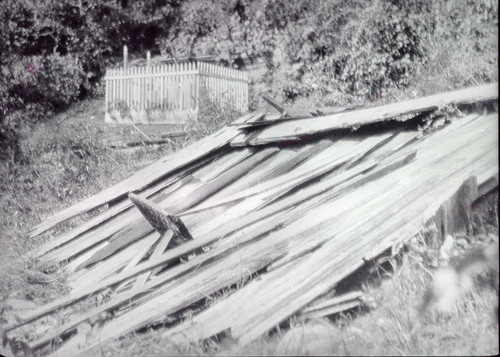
[295,129]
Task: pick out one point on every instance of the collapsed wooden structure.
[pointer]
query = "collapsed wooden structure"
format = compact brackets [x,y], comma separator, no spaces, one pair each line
[283,206]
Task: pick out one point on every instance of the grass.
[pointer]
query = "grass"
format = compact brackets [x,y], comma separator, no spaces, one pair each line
[398,327]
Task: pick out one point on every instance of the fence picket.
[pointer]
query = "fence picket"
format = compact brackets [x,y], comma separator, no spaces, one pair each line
[162,88]
[181,86]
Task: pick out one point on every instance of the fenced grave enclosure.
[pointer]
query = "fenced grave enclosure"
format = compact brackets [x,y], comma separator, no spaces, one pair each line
[171,93]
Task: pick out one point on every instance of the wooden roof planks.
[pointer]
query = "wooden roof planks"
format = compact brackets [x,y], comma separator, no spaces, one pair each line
[302,216]
[295,129]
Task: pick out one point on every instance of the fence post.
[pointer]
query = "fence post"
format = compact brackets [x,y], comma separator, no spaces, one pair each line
[125,57]
[197,84]
[106,93]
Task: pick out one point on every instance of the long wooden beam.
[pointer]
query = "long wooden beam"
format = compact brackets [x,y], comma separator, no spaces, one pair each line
[295,129]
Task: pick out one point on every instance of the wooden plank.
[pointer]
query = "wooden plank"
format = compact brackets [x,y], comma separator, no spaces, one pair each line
[72,265]
[90,238]
[159,218]
[83,279]
[221,164]
[140,228]
[352,295]
[256,176]
[331,310]
[312,242]
[269,119]
[281,163]
[293,114]
[400,140]
[242,139]
[98,273]
[158,251]
[121,145]
[248,116]
[275,105]
[284,161]
[162,240]
[143,178]
[217,318]
[294,129]
[336,154]
[280,115]
[257,119]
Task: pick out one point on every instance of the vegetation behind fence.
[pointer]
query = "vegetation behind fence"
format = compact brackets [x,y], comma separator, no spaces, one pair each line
[171,93]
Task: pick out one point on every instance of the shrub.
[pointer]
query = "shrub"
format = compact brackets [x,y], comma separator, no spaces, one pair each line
[338,53]
[47,83]
[33,88]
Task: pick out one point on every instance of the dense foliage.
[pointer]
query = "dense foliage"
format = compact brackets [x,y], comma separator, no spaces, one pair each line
[341,51]
[327,52]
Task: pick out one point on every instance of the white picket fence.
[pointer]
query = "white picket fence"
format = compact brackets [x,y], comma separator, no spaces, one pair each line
[170,94]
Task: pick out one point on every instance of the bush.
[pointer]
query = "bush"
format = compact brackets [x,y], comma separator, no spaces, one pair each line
[339,53]
[32,89]
[47,83]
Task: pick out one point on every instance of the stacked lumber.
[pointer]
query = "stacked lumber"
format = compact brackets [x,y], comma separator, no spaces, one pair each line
[302,212]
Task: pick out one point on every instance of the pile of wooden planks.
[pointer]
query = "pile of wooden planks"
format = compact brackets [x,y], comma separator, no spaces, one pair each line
[298,201]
